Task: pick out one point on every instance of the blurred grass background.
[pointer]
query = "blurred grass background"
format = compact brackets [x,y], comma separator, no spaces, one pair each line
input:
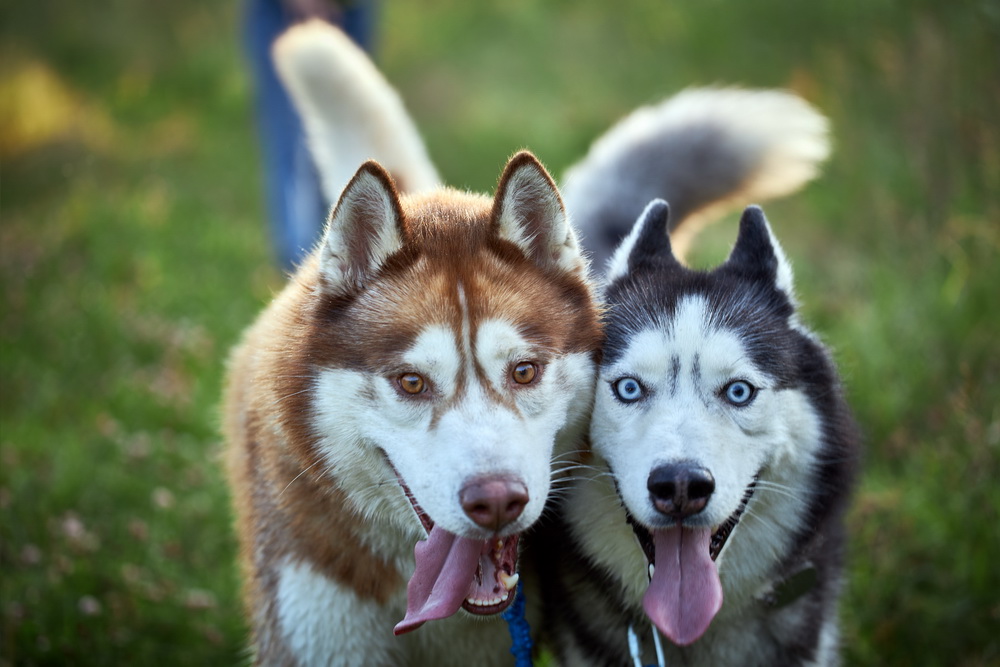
[133,251]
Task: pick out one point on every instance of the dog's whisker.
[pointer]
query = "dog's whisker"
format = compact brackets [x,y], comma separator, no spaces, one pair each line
[778,489]
[304,471]
[748,512]
[588,477]
[565,481]
[566,456]
[287,396]
[566,467]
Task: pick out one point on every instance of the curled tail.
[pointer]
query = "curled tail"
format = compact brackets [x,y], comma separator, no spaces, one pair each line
[702,150]
[350,112]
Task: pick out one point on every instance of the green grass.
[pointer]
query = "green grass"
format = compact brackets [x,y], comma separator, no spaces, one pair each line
[133,251]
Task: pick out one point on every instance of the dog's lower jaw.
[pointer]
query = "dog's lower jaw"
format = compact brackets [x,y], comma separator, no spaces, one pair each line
[720,534]
[492,587]
[498,565]
[683,598]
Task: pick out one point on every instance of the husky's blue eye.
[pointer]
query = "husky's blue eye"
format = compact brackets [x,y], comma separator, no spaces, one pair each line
[628,390]
[739,392]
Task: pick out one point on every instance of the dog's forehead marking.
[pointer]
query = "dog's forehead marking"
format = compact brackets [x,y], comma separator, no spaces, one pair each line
[465,333]
[687,347]
[466,360]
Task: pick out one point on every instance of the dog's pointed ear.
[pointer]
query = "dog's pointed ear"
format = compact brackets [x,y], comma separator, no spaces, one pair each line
[757,254]
[365,228]
[649,240]
[528,212]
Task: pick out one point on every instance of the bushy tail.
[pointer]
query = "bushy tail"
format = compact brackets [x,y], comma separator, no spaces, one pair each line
[702,151]
[350,112]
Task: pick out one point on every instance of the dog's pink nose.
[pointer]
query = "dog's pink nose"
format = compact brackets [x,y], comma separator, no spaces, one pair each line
[493,502]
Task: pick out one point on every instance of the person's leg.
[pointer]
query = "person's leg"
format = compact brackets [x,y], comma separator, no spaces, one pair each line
[296,208]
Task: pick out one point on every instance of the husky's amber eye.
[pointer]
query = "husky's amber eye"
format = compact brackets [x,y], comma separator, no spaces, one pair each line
[411,383]
[524,373]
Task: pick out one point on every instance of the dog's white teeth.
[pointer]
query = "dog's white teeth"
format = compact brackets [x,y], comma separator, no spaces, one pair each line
[651,569]
[509,580]
[485,603]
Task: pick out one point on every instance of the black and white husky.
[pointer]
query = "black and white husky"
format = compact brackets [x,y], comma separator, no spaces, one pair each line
[711,506]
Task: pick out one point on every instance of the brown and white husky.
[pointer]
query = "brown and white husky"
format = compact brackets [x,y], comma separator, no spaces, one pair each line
[412,385]
[393,417]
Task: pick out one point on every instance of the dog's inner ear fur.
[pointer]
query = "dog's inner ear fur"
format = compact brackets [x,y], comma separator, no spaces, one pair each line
[528,212]
[364,229]
[757,254]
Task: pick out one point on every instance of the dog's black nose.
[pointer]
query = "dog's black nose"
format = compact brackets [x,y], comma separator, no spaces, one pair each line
[493,502]
[680,489]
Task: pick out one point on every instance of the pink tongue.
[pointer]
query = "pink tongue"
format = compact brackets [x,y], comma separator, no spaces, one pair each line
[685,593]
[440,583]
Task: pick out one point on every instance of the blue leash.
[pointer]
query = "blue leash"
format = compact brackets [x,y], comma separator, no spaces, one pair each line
[520,633]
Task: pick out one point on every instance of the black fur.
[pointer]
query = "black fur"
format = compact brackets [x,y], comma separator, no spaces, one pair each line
[582,600]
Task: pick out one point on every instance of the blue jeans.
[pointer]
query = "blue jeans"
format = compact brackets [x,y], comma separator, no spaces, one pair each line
[297,208]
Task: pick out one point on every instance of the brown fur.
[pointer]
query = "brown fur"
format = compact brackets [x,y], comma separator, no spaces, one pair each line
[288,503]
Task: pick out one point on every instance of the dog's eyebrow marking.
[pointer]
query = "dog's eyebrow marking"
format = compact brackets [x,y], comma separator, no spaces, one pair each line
[675,371]
[465,342]
[696,380]
[463,306]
